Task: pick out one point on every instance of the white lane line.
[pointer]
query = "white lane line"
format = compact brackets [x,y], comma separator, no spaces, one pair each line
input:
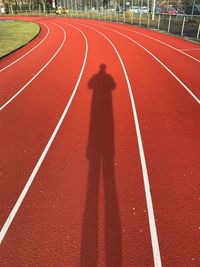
[1,70]
[151,217]
[45,151]
[157,40]
[159,61]
[35,76]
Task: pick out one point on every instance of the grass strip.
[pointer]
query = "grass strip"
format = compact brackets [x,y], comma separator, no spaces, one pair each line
[15,34]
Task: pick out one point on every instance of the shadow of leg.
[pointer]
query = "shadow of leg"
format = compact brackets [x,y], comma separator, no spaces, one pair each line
[89,242]
[113,245]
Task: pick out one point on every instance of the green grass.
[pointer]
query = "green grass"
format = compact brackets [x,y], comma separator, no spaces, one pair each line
[14,34]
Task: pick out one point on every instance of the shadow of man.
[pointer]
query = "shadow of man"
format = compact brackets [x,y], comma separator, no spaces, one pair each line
[100,153]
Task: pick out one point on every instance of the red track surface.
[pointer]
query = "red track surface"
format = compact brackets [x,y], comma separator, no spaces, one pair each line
[87,205]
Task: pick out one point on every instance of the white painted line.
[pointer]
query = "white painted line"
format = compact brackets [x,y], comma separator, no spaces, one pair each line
[152,224]
[157,40]
[44,153]
[159,61]
[35,76]
[28,51]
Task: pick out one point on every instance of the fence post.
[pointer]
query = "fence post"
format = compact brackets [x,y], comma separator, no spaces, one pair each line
[140,19]
[159,17]
[198,31]
[169,24]
[183,26]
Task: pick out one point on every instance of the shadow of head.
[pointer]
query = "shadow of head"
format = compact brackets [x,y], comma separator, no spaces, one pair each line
[102,67]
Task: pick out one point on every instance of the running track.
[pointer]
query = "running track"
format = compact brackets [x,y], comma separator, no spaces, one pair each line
[100,148]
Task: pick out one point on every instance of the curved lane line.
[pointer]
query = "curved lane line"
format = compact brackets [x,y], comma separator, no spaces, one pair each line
[152,224]
[6,67]
[35,76]
[45,151]
[159,41]
[159,61]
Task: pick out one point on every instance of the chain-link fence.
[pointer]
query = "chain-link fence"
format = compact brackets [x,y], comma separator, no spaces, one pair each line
[179,24]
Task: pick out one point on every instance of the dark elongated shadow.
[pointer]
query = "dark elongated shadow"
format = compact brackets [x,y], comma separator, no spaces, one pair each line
[100,154]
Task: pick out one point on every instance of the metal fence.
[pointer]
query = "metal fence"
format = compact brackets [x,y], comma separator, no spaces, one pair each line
[181,25]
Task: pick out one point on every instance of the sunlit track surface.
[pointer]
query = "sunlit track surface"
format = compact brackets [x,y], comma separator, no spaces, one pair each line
[88,202]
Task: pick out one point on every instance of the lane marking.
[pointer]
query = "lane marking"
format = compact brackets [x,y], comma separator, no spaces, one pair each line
[157,40]
[151,217]
[159,61]
[35,76]
[45,151]
[9,65]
